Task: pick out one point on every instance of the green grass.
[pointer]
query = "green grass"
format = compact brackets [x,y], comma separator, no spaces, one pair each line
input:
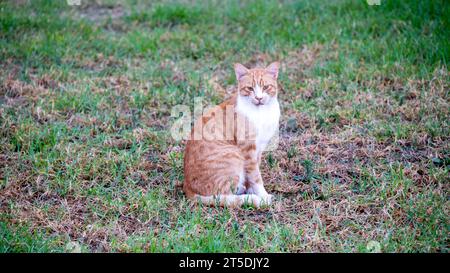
[86,94]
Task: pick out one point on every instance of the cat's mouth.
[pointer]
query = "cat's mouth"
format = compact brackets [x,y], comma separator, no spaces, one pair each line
[259,103]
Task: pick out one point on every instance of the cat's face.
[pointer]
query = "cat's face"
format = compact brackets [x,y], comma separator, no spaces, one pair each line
[258,85]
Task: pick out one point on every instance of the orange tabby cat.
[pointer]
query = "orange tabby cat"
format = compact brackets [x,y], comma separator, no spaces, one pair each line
[222,157]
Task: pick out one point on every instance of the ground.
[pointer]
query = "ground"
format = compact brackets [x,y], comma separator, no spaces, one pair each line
[87,162]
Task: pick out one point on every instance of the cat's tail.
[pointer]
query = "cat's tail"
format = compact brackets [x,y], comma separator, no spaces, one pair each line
[231,200]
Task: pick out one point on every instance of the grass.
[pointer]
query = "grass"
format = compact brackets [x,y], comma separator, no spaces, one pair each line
[87,162]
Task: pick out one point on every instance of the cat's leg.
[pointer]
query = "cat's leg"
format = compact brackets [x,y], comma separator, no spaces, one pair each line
[240,188]
[259,190]
[254,180]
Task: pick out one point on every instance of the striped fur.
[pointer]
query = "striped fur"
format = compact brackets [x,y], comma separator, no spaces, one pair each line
[222,158]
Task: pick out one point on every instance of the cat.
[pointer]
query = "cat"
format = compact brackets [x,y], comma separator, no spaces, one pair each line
[221,165]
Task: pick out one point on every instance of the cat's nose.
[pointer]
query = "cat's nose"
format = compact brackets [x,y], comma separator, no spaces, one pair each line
[258,98]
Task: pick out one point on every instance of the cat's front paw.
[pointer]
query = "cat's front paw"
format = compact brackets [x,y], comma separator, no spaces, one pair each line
[266,199]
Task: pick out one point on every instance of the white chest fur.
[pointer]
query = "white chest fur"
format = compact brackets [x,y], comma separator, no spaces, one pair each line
[264,118]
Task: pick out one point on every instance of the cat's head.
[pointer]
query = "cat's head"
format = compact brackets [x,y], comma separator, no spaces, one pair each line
[257,85]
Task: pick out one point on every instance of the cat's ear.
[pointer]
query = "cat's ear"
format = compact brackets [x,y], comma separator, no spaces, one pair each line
[240,70]
[273,69]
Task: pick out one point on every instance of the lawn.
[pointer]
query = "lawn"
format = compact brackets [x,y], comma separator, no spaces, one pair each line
[87,161]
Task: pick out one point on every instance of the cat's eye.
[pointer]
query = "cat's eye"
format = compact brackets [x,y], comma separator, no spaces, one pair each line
[249,89]
[266,87]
